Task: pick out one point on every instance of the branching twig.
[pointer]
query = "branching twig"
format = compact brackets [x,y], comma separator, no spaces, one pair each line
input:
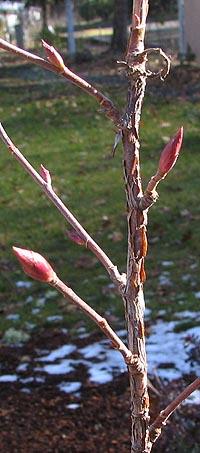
[106,104]
[38,268]
[112,270]
[156,427]
[131,360]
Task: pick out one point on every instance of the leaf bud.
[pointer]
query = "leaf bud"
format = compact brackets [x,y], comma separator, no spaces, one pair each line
[170,153]
[34,265]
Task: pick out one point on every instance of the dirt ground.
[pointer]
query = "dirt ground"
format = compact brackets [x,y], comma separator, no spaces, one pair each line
[39,419]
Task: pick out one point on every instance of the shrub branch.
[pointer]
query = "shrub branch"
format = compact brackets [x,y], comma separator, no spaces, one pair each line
[116,277]
[156,427]
[106,104]
[37,267]
[132,361]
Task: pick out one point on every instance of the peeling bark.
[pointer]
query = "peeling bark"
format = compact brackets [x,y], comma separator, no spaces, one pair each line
[137,239]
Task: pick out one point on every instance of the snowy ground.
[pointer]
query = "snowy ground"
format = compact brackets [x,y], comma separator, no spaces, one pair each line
[168,352]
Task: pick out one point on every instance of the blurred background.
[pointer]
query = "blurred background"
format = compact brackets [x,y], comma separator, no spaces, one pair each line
[70,24]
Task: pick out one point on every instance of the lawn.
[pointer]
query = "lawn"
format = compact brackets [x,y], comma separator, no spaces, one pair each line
[62,128]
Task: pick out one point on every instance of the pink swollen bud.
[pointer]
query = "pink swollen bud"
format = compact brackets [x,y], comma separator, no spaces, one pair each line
[53,56]
[75,237]
[34,265]
[170,153]
[45,174]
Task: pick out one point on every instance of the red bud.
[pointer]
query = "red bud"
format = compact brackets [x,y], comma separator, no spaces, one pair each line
[75,237]
[53,56]
[34,265]
[45,174]
[170,153]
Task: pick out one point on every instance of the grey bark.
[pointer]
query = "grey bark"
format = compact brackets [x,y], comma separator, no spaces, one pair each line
[69,6]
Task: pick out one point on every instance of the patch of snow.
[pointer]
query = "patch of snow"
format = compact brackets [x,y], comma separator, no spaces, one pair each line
[164,279]
[147,312]
[84,335]
[40,302]
[54,318]
[8,378]
[59,353]
[50,294]
[194,398]
[25,390]
[96,350]
[122,333]
[13,317]
[100,375]
[161,313]
[186,277]
[73,406]
[30,325]
[35,311]
[23,284]
[197,295]
[27,380]
[64,330]
[64,367]
[194,266]
[167,263]
[22,367]
[29,299]
[40,379]
[69,387]
[81,331]
[192,331]
[186,314]
[166,347]
[105,362]
[167,355]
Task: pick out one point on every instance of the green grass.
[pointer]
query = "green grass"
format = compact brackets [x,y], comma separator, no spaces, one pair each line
[63,130]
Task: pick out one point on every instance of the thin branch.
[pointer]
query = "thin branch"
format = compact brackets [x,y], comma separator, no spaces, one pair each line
[37,267]
[116,277]
[105,103]
[156,427]
[131,360]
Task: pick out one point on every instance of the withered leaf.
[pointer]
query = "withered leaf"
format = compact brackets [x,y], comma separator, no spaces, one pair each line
[118,138]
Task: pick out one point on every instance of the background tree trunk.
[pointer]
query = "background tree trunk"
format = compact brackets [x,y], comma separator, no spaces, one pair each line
[120,23]
[69,7]
[44,7]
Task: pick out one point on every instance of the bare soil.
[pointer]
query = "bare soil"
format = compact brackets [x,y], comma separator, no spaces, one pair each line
[41,421]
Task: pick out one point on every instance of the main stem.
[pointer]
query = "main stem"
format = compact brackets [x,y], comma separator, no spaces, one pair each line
[137,219]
